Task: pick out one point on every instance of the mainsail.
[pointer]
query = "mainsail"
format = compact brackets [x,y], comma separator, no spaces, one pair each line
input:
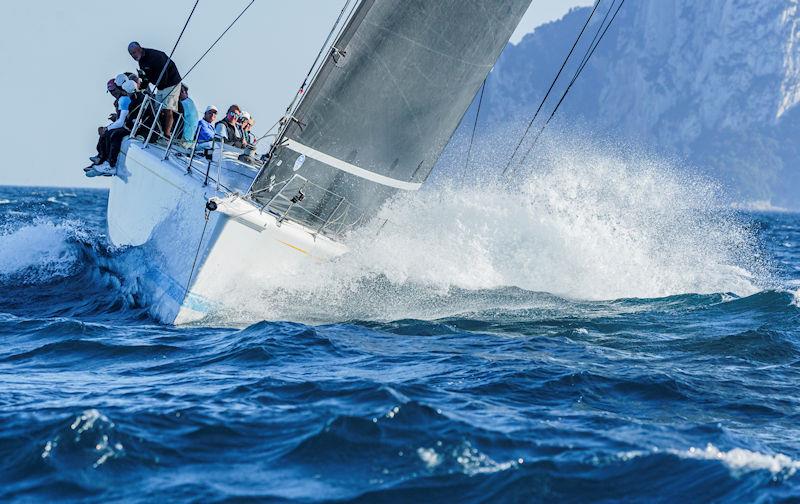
[383,106]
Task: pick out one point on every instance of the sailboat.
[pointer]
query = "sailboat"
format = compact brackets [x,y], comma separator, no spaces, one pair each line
[372,120]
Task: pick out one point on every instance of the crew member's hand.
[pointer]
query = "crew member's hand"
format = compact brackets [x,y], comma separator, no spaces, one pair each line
[101,130]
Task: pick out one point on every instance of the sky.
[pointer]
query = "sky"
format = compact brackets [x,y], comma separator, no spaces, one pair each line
[56,57]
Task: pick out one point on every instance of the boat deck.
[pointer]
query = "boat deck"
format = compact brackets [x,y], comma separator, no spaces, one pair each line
[230,176]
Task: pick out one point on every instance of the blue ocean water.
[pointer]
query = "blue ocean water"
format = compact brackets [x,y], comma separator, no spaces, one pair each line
[525,396]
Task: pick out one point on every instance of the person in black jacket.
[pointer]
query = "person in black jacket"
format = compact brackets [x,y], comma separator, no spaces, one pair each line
[228,128]
[161,71]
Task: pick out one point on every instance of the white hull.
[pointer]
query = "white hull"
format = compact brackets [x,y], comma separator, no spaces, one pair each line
[195,266]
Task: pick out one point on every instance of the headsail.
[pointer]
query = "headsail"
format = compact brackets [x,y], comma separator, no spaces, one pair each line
[385,103]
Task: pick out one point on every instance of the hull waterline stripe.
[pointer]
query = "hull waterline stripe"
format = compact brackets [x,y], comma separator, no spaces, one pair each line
[350,168]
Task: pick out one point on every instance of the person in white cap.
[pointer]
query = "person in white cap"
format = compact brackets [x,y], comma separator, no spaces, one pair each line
[128,87]
[205,135]
[247,124]
[249,138]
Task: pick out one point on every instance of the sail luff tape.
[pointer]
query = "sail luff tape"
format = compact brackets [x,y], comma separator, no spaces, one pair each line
[350,168]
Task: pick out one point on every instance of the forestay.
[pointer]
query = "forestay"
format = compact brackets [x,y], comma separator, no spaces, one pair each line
[385,103]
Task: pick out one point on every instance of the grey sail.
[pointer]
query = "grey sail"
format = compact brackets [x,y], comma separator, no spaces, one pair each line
[383,106]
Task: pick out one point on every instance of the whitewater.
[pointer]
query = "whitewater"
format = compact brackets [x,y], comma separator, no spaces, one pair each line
[582,224]
[605,326]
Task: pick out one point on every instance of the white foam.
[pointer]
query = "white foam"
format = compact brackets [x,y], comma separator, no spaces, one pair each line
[596,228]
[583,225]
[760,206]
[42,245]
[474,461]
[737,460]
[100,446]
[86,421]
[429,457]
[741,460]
[466,457]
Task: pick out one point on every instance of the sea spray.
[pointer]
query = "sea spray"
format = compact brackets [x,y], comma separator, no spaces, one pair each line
[91,277]
[38,251]
[584,224]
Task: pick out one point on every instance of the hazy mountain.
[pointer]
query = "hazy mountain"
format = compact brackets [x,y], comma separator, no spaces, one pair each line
[714,82]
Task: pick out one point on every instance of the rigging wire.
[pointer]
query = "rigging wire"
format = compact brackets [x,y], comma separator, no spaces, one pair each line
[180,36]
[218,39]
[578,72]
[474,127]
[282,121]
[552,85]
[301,90]
[265,135]
[302,87]
[196,255]
[587,54]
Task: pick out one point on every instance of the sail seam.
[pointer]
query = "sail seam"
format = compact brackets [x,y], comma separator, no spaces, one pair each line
[350,168]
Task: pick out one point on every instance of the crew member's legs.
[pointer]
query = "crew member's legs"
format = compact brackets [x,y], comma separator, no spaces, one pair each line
[102,146]
[169,97]
[167,120]
[101,151]
[115,144]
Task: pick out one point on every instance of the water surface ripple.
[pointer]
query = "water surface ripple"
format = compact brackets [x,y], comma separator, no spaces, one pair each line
[527,396]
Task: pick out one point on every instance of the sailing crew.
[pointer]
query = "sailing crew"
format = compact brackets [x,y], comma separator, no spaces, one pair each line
[228,128]
[113,90]
[120,79]
[205,133]
[161,71]
[249,139]
[247,123]
[187,108]
[111,141]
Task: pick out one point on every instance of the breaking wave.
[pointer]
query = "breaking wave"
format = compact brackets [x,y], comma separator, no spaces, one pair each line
[39,251]
[63,269]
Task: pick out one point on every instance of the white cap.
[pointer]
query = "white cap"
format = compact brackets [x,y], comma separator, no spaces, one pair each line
[129,86]
[120,79]
[246,115]
[211,107]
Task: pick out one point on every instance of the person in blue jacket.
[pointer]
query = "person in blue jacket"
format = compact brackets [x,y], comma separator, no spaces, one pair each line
[205,135]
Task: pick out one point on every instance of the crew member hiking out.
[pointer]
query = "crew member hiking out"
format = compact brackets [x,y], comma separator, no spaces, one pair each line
[111,141]
[153,62]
